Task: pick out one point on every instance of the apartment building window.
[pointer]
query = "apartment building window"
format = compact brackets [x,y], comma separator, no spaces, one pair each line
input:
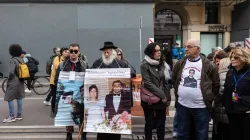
[211,11]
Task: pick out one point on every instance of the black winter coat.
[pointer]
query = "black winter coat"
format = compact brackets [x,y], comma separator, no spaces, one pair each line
[80,66]
[243,90]
[32,64]
[154,81]
[115,64]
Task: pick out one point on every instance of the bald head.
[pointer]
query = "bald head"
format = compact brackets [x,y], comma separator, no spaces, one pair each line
[192,48]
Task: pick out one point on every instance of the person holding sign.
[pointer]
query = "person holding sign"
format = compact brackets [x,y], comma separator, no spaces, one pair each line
[236,97]
[72,64]
[109,60]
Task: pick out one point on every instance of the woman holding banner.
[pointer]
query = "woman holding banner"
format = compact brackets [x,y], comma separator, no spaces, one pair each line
[156,76]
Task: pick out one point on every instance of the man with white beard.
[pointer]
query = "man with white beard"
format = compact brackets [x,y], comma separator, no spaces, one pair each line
[109,60]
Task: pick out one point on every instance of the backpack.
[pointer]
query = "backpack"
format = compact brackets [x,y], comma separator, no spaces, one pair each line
[32,65]
[23,70]
[49,64]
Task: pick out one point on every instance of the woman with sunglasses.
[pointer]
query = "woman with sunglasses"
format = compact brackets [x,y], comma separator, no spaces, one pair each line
[236,97]
[58,59]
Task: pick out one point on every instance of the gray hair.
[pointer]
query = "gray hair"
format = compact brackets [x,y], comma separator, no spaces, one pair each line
[197,42]
[214,49]
[231,45]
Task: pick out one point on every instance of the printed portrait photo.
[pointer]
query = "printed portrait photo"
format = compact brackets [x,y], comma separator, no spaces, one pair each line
[108,106]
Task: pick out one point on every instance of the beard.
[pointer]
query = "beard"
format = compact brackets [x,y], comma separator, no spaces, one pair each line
[111,58]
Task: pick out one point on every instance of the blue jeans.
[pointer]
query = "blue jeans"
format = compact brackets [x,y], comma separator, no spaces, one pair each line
[199,117]
[19,108]
[175,126]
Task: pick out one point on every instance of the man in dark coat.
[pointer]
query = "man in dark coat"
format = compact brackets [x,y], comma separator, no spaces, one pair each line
[118,100]
[109,60]
[72,63]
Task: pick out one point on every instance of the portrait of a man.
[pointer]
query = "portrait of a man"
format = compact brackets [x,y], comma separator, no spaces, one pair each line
[190,81]
[117,100]
[67,97]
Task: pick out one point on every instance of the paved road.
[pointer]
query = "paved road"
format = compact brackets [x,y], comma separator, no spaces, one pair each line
[34,111]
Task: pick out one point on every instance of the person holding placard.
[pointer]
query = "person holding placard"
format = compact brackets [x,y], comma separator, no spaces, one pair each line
[109,60]
[72,64]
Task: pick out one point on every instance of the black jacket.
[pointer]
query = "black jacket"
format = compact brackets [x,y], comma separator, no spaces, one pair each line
[243,90]
[80,66]
[115,64]
[154,81]
[124,104]
[32,64]
[98,64]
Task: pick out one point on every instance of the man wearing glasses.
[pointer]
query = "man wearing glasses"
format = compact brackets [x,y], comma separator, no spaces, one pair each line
[194,103]
[72,63]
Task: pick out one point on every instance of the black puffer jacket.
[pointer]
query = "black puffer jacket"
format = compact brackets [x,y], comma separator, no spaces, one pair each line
[80,66]
[243,90]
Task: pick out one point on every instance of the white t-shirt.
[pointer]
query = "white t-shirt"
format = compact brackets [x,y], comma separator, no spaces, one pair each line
[189,90]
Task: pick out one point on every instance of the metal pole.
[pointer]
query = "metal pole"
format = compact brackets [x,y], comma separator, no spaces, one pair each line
[140,39]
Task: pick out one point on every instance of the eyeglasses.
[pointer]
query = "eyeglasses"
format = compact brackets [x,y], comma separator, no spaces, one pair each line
[157,50]
[190,47]
[73,51]
[119,54]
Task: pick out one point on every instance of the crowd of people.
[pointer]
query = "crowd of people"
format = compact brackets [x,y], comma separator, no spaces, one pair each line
[214,87]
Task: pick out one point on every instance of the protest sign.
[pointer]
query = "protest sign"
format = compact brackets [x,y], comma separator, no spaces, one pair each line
[68,94]
[107,100]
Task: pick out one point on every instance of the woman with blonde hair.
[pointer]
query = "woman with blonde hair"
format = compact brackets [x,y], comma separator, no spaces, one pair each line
[236,97]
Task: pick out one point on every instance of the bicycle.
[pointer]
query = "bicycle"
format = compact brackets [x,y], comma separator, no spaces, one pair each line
[36,85]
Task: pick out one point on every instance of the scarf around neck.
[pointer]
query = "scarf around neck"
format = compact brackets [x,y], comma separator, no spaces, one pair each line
[167,71]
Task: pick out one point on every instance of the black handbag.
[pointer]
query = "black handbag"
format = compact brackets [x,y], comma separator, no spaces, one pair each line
[219,114]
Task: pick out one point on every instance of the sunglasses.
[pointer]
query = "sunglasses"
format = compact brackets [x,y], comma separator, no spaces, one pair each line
[73,51]
[235,57]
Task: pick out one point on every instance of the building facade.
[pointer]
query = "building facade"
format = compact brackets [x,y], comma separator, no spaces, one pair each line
[38,27]
[241,22]
[208,21]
